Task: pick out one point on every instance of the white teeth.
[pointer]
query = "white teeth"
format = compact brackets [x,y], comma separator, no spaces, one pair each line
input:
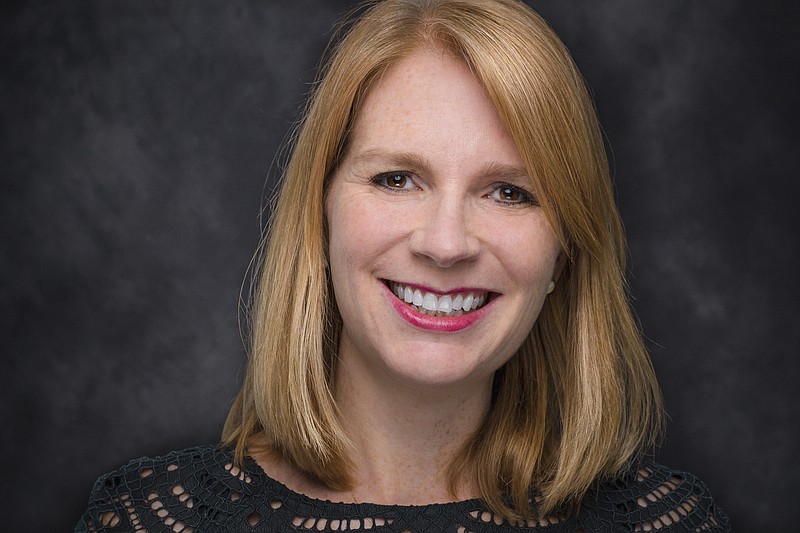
[417,298]
[445,304]
[430,303]
[408,294]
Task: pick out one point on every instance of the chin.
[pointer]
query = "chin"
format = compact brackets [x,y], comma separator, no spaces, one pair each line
[437,367]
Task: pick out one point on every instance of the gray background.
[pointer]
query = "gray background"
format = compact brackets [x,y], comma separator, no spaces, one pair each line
[137,139]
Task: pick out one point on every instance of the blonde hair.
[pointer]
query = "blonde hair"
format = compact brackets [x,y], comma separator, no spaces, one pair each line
[579,401]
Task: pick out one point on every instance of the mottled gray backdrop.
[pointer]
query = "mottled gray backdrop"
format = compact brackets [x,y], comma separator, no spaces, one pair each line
[137,138]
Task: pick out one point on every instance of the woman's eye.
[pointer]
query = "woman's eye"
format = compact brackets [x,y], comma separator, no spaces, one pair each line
[511,194]
[394,180]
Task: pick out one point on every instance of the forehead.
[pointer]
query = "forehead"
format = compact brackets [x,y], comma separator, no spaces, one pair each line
[430,102]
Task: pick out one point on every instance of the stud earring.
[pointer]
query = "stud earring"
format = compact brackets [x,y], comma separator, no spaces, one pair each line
[552,286]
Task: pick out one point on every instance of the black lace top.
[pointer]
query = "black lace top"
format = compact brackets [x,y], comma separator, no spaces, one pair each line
[199,490]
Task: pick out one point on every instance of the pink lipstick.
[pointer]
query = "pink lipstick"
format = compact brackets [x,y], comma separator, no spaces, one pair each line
[444,324]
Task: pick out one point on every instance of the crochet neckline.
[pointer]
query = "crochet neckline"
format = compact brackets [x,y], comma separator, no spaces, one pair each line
[254,468]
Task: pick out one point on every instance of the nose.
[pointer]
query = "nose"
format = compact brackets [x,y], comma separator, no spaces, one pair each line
[444,235]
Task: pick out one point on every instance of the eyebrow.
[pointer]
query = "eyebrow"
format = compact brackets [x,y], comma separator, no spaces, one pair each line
[415,162]
[505,172]
[407,160]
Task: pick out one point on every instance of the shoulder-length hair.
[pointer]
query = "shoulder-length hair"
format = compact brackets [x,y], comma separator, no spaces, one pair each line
[579,400]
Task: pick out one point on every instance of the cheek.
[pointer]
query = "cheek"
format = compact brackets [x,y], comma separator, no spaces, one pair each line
[528,249]
[360,234]
[352,232]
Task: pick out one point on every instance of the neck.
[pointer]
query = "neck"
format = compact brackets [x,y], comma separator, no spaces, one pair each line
[405,435]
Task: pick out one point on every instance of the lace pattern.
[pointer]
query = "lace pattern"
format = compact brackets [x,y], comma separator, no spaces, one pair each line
[199,490]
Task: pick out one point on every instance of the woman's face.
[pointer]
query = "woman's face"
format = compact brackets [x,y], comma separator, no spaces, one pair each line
[440,256]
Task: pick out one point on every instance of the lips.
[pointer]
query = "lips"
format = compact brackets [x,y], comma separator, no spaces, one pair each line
[452,304]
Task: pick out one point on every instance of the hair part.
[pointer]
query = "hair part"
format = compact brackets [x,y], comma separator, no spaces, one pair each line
[579,400]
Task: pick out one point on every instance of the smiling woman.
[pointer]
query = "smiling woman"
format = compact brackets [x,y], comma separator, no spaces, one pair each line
[441,328]
[438,229]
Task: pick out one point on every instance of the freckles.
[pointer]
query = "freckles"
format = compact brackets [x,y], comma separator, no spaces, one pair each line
[363,229]
[529,252]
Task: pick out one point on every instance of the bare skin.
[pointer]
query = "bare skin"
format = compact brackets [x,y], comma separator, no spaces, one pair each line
[404,446]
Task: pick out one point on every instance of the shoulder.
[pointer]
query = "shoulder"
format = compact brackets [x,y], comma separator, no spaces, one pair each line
[151,472]
[175,490]
[177,456]
[654,497]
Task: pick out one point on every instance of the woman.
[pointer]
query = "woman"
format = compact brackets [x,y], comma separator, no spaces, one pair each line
[440,328]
